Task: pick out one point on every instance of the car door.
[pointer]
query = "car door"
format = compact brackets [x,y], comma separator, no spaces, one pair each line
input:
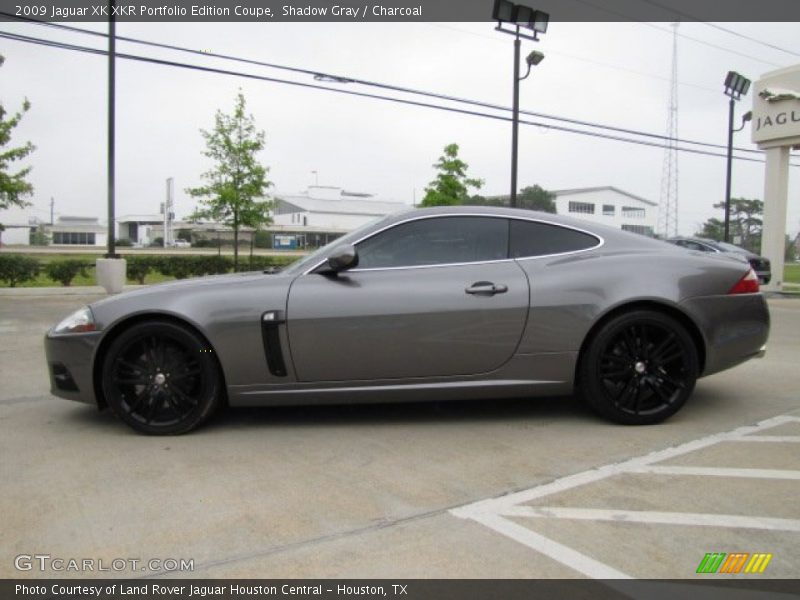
[430,297]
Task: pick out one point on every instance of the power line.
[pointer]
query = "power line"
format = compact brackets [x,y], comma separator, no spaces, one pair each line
[714,26]
[682,35]
[170,63]
[332,78]
[752,39]
[591,61]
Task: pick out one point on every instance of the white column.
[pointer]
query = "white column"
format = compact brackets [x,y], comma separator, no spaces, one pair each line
[776,193]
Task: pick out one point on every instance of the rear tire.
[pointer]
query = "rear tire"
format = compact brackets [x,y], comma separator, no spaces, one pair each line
[161,378]
[639,368]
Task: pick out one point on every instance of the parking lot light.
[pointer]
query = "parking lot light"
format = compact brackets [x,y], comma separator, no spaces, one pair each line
[736,86]
[518,16]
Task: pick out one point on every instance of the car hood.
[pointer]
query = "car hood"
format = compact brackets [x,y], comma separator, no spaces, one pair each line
[192,285]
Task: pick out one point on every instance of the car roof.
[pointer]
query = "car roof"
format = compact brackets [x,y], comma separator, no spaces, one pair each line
[604,231]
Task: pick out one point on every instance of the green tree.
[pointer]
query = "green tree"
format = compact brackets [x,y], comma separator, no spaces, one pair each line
[536,198]
[713,229]
[237,181]
[745,224]
[13,186]
[532,197]
[451,184]
[790,250]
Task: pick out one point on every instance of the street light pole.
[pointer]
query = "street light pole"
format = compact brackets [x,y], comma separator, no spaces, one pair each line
[736,86]
[515,124]
[727,236]
[535,21]
[111,120]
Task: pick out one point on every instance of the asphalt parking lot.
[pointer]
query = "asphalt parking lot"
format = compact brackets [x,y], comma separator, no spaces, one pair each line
[517,489]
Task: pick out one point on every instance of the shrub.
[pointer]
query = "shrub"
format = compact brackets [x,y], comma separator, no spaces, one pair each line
[139,267]
[179,267]
[264,263]
[157,243]
[124,243]
[211,265]
[262,239]
[205,243]
[39,238]
[64,271]
[15,268]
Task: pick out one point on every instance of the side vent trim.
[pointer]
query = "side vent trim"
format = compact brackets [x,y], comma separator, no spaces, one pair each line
[270,334]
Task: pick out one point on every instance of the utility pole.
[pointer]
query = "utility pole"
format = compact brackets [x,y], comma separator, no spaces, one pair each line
[52,204]
[168,213]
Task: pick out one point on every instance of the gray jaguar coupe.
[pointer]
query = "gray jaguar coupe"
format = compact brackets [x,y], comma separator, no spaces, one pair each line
[432,304]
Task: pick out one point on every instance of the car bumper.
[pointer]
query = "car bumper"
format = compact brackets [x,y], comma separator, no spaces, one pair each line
[735,328]
[69,363]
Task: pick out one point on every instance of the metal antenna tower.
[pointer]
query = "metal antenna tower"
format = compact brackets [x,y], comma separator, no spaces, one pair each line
[668,204]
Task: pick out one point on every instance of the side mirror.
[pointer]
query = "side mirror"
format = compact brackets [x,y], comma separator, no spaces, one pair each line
[342,258]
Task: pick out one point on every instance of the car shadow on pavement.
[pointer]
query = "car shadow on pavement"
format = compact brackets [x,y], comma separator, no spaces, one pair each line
[538,410]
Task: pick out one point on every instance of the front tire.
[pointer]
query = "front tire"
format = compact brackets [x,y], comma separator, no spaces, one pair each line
[639,368]
[161,378]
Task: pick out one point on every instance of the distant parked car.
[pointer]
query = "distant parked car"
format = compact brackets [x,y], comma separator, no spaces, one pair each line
[181,244]
[760,264]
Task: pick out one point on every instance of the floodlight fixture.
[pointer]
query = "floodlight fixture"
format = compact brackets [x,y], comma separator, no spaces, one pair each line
[534,58]
[736,85]
[503,11]
[520,16]
[540,21]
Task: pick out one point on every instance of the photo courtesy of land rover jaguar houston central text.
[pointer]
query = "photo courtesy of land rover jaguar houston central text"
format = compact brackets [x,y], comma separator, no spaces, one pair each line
[432,304]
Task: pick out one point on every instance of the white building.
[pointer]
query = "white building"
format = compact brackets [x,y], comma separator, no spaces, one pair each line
[16,235]
[610,206]
[77,231]
[140,229]
[332,209]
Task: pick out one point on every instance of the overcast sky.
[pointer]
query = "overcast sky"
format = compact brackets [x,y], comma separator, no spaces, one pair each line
[614,74]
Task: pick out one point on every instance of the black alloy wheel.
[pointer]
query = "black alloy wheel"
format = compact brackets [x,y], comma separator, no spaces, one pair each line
[639,368]
[161,378]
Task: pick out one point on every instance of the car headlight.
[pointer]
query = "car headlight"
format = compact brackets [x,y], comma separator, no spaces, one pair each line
[80,321]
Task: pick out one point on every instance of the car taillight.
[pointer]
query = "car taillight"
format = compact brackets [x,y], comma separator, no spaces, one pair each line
[747,284]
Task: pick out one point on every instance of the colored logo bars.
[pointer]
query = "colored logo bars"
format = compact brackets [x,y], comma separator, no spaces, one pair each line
[720,562]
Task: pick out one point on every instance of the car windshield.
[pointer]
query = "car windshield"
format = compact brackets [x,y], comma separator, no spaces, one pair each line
[316,256]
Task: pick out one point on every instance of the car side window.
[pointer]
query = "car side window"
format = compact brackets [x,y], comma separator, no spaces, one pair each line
[698,247]
[436,241]
[529,238]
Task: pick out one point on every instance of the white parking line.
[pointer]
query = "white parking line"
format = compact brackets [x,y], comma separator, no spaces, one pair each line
[655,517]
[494,512]
[770,438]
[716,472]
[600,473]
[563,554]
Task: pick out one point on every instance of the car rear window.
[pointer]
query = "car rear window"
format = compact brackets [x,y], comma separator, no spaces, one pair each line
[530,238]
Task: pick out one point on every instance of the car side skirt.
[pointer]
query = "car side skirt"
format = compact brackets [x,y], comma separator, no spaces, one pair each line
[548,374]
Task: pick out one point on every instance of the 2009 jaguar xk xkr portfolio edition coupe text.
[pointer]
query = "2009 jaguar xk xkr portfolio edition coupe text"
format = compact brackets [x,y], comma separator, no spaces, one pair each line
[432,304]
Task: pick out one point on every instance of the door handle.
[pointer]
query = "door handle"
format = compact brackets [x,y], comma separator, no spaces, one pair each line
[486,288]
